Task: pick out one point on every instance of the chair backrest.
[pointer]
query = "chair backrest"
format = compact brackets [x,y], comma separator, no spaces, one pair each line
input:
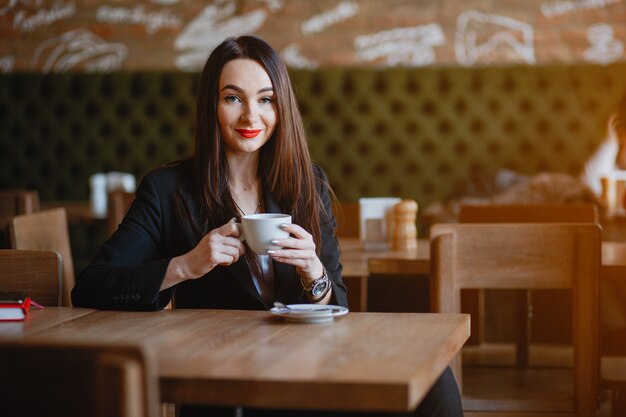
[347,216]
[529,213]
[118,203]
[47,230]
[527,256]
[13,202]
[36,272]
[76,380]
[543,303]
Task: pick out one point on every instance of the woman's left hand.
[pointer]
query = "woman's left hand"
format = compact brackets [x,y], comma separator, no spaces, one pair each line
[298,250]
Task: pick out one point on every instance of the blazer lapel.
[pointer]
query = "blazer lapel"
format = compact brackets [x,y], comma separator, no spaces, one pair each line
[241,274]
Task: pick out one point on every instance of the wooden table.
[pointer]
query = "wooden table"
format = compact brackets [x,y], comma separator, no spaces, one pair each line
[362,361]
[78,212]
[355,258]
[356,271]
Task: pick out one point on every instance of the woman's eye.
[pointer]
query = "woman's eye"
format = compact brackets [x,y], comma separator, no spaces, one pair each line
[232,99]
[266,100]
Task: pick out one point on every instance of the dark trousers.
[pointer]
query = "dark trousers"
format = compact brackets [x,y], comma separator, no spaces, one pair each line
[443,400]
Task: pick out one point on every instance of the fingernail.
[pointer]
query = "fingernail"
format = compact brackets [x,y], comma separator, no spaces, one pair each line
[274,241]
[271,252]
[283,226]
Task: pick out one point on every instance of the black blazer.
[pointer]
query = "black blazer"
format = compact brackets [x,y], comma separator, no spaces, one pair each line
[128,270]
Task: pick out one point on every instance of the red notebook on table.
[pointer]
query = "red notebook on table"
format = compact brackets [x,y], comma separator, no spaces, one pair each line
[13,306]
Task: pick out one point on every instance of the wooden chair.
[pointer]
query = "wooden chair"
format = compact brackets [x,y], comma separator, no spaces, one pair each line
[529,213]
[12,203]
[613,351]
[38,273]
[119,202]
[474,301]
[531,256]
[347,216]
[41,378]
[47,230]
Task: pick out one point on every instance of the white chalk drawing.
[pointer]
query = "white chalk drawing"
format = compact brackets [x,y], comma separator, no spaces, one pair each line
[165,2]
[489,37]
[604,48]
[293,58]
[25,22]
[343,11]
[412,46]
[7,63]
[78,49]
[562,7]
[8,5]
[274,5]
[152,21]
[215,23]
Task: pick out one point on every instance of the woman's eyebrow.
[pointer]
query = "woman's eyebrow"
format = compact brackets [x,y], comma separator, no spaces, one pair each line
[234,87]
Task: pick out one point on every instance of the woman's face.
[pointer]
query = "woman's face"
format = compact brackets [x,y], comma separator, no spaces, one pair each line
[246,109]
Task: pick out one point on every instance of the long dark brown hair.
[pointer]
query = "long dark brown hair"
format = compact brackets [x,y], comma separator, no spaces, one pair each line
[285,166]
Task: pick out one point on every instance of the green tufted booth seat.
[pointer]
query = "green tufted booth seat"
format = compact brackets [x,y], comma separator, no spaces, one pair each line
[408,132]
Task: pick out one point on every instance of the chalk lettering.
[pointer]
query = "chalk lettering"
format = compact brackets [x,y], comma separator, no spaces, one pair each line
[293,57]
[152,21]
[43,17]
[274,5]
[317,23]
[6,8]
[563,7]
[12,3]
[411,46]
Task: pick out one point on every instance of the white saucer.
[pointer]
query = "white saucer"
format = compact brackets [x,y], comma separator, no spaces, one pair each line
[309,313]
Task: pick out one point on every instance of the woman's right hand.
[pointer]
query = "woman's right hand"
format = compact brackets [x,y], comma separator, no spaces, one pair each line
[220,246]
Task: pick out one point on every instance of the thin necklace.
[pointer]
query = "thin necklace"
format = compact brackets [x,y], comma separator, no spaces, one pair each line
[258,206]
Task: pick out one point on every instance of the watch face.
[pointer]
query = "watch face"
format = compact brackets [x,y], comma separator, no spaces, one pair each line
[319,288]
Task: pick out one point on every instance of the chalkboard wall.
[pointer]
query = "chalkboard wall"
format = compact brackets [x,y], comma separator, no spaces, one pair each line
[64,35]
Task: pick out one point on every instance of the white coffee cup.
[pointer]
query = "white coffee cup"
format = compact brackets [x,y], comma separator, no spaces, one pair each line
[258,230]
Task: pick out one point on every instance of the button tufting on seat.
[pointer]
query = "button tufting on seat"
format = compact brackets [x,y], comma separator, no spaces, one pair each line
[413,121]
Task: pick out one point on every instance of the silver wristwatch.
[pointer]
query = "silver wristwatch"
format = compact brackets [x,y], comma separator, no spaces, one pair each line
[318,288]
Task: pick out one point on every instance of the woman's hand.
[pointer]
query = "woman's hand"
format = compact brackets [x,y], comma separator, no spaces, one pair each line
[220,246]
[299,251]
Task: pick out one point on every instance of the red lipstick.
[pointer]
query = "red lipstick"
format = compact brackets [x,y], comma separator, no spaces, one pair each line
[248,133]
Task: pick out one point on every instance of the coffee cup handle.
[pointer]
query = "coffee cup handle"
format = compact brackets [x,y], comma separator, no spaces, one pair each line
[241,237]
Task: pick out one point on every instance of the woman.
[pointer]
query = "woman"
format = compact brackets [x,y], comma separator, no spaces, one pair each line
[181,232]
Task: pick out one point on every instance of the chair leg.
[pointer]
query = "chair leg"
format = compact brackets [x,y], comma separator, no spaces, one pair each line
[524,322]
[618,403]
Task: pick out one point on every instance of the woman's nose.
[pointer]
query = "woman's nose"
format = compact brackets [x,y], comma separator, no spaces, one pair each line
[250,113]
